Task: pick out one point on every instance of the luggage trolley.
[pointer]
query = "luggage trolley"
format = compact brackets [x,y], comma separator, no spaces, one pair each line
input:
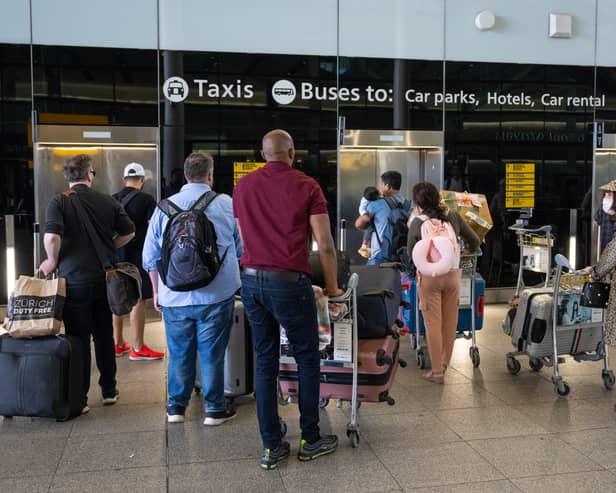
[468,301]
[578,332]
[340,354]
[535,246]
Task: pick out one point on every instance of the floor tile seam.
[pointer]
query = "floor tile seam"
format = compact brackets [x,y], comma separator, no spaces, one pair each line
[60,457]
[391,474]
[374,445]
[580,451]
[110,469]
[112,434]
[483,481]
[535,477]
[546,434]
[478,452]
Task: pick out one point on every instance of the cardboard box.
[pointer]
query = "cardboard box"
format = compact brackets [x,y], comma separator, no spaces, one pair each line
[473,208]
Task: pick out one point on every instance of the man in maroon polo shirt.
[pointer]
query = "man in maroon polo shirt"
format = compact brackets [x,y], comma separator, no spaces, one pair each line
[276,208]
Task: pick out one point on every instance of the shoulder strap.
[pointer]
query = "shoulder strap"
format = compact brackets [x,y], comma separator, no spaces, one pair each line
[85,219]
[204,201]
[128,197]
[169,208]
[391,202]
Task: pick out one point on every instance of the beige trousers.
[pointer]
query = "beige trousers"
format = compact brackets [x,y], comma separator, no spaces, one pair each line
[439,298]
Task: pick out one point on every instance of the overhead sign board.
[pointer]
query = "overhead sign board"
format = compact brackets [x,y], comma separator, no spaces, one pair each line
[519,185]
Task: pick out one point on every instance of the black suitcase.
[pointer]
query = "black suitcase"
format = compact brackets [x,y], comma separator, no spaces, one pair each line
[379,296]
[41,377]
[344,269]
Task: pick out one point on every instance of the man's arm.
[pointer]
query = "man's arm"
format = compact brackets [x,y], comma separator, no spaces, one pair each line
[52,244]
[362,221]
[120,240]
[154,279]
[319,223]
[239,240]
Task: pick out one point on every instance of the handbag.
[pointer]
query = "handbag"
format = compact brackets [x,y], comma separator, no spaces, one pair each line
[35,307]
[123,279]
[595,294]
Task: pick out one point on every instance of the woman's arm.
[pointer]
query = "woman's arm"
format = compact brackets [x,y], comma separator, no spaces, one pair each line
[607,261]
[465,232]
[414,235]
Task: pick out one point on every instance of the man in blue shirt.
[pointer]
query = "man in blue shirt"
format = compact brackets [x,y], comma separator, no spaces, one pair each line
[201,319]
[378,212]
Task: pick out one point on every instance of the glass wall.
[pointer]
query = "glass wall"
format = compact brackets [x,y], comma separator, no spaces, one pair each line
[489,113]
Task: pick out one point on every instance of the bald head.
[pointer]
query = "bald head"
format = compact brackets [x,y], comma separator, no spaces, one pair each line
[278,145]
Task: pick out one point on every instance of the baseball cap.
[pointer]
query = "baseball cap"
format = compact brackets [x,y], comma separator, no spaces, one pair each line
[133,170]
[609,187]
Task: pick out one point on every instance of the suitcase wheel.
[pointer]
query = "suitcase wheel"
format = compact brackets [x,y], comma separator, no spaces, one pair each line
[414,344]
[283,428]
[402,363]
[421,360]
[323,403]
[513,365]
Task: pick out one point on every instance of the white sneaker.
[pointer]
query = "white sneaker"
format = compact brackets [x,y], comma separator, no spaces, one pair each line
[85,410]
[109,401]
[220,417]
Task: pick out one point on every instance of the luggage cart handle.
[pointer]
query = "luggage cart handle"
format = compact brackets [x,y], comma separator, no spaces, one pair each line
[351,285]
[542,229]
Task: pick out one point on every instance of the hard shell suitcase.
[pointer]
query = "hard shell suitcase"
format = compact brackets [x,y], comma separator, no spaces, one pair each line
[464,314]
[344,269]
[378,299]
[378,361]
[239,357]
[519,334]
[41,377]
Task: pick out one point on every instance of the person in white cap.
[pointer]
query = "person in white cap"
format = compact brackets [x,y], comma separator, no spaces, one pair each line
[139,206]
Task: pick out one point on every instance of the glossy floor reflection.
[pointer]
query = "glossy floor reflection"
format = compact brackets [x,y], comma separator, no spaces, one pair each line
[483,431]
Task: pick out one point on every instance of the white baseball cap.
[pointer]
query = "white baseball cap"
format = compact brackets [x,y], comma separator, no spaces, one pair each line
[133,170]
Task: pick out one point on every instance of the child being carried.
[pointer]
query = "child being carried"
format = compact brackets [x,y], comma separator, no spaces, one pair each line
[370,195]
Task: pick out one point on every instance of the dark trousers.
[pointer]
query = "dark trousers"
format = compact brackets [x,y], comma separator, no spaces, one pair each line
[270,304]
[87,315]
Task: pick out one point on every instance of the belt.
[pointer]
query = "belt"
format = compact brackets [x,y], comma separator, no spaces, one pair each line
[274,275]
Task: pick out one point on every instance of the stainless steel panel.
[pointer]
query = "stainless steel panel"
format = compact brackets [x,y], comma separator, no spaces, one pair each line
[433,167]
[392,138]
[108,161]
[357,171]
[95,134]
[609,141]
[408,163]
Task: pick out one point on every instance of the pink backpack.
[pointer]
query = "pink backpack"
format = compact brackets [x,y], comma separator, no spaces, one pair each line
[438,251]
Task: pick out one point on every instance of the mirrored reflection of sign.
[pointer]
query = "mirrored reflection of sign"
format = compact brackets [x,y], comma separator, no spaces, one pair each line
[242,168]
[519,185]
[465,291]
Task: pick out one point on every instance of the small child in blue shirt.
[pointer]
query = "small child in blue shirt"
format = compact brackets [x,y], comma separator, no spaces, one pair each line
[370,195]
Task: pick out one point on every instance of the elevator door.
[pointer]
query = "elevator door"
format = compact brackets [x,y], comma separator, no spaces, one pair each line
[362,168]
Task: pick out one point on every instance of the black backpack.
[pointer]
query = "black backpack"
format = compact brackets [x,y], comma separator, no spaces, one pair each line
[395,235]
[189,258]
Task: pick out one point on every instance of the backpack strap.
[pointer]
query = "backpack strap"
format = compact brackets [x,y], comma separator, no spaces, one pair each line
[392,203]
[128,197]
[169,208]
[204,201]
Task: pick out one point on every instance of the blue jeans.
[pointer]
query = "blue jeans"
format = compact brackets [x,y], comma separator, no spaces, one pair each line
[203,328]
[270,304]
[87,315]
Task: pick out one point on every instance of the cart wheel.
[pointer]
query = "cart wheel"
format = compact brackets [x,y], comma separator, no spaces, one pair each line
[608,379]
[562,389]
[323,403]
[390,401]
[283,428]
[353,436]
[413,342]
[513,365]
[282,400]
[402,363]
[474,354]
[535,364]
[421,360]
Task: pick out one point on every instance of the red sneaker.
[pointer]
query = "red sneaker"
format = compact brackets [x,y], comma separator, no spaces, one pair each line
[122,350]
[145,354]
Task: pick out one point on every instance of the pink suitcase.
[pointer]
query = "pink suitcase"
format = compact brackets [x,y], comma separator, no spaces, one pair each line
[378,362]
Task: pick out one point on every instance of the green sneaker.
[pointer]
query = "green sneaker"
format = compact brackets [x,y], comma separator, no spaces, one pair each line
[323,446]
[272,457]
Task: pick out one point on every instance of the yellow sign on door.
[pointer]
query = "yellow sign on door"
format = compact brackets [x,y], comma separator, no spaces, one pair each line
[242,168]
[519,185]
[520,168]
[518,203]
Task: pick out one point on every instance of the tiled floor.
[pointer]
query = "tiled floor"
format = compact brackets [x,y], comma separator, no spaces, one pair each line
[483,431]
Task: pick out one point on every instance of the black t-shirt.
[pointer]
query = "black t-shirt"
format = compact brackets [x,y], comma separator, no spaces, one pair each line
[78,261]
[140,210]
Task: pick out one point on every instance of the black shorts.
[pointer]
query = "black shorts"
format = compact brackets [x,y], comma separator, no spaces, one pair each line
[146,285]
